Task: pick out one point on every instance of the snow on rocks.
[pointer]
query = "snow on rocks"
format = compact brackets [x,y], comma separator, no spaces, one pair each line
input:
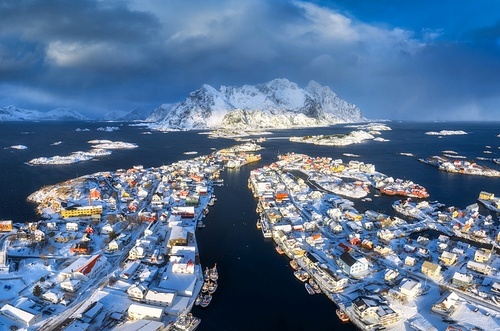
[445,133]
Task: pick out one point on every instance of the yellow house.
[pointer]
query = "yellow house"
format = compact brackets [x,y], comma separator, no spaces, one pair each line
[431,269]
[81,211]
[486,195]
[448,258]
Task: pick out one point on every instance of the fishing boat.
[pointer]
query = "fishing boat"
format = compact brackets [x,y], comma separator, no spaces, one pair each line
[314,286]
[279,250]
[207,274]
[214,274]
[309,289]
[205,301]
[186,322]
[204,288]
[212,286]
[258,224]
[342,315]
[294,265]
[198,300]
[301,275]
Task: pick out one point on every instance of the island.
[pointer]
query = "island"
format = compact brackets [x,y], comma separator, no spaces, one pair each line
[382,272]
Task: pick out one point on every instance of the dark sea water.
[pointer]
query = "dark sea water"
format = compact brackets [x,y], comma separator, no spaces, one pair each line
[257,289]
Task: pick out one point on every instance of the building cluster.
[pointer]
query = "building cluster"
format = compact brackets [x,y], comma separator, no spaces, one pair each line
[144,217]
[345,250]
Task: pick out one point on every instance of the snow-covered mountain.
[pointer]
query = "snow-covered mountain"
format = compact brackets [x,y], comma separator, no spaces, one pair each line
[138,114]
[275,104]
[12,113]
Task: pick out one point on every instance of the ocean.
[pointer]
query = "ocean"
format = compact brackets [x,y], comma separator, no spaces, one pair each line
[257,289]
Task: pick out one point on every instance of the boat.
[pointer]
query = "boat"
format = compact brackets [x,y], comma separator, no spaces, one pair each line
[198,300]
[207,273]
[204,288]
[214,274]
[279,250]
[294,265]
[301,275]
[212,286]
[200,224]
[258,224]
[266,230]
[205,301]
[309,289]
[186,322]
[314,286]
[342,315]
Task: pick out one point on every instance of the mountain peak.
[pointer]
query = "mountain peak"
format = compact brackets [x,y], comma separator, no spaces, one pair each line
[278,103]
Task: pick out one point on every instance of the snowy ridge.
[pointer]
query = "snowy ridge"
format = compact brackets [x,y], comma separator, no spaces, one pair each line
[12,113]
[275,104]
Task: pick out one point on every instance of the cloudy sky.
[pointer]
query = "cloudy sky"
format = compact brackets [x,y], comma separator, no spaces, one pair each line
[426,59]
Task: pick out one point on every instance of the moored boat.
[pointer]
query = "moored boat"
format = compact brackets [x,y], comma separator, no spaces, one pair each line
[301,275]
[309,289]
[212,286]
[279,250]
[294,265]
[186,322]
[214,274]
[314,286]
[342,315]
[205,301]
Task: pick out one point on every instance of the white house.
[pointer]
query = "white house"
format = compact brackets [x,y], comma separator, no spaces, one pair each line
[462,280]
[410,287]
[352,266]
[482,255]
[72,227]
[137,292]
[52,296]
[20,315]
[410,261]
[4,264]
[71,285]
[479,267]
[141,311]
[159,298]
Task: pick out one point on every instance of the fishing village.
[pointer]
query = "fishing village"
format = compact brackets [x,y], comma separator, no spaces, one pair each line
[381,271]
[118,250]
[115,250]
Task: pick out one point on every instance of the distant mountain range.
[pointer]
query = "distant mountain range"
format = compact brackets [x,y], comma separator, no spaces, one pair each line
[12,113]
[277,104]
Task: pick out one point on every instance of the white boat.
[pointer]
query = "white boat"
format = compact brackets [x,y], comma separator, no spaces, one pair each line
[309,289]
[186,322]
[214,274]
[212,286]
[266,230]
[314,286]
[301,275]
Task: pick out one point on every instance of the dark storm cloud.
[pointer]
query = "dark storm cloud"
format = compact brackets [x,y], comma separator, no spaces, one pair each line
[103,55]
